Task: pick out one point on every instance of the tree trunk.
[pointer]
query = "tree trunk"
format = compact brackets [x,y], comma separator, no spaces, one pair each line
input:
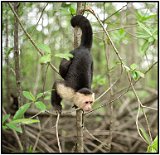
[79,113]
[17,72]
[16,56]
[7,65]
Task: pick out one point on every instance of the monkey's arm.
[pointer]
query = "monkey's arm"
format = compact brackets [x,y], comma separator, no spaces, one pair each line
[64,66]
[56,99]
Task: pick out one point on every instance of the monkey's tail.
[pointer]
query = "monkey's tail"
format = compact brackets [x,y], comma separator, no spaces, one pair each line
[84,24]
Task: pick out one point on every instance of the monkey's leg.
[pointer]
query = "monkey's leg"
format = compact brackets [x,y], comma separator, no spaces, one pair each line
[56,99]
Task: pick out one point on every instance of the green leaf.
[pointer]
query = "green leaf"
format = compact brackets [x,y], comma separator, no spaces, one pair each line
[14,127]
[5,117]
[98,80]
[45,59]
[47,97]
[30,149]
[155,36]
[145,28]
[151,39]
[142,17]
[40,105]
[133,66]
[134,75]
[66,56]
[154,144]
[28,95]
[24,121]
[72,10]
[145,46]
[150,149]
[39,95]
[145,135]
[64,11]
[8,51]
[140,74]
[122,32]
[21,111]
[45,48]
[142,35]
[4,127]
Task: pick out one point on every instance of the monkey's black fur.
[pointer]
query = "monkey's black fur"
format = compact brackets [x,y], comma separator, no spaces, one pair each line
[78,71]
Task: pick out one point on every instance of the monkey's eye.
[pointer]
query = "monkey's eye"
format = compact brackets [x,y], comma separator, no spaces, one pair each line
[88,102]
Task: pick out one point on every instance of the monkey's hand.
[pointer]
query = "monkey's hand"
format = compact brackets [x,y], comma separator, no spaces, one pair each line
[56,99]
[58,108]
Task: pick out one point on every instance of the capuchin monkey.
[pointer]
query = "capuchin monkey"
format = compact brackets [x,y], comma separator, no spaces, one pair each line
[77,72]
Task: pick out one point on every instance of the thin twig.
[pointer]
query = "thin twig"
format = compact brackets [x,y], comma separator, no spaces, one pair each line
[106,91]
[139,108]
[36,114]
[114,13]
[38,136]
[107,34]
[39,18]
[126,90]
[59,145]
[105,145]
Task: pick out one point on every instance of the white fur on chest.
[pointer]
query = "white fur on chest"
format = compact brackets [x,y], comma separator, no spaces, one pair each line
[65,92]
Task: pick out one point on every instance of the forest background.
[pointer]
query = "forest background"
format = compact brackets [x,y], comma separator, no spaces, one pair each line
[36,36]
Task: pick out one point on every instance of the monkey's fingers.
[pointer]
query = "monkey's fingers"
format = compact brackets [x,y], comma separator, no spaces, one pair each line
[58,109]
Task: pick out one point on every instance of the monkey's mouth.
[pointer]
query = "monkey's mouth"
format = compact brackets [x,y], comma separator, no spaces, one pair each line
[86,110]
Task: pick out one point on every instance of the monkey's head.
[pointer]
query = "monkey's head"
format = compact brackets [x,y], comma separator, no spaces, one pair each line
[84,99]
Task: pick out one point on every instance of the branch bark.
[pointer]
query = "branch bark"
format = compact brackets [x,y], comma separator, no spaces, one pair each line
[79,113]
[17,71]
[7,64]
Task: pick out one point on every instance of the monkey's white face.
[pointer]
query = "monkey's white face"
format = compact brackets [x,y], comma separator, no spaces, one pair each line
[83,101]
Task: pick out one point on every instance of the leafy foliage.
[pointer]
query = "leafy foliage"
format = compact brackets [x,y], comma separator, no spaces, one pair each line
[136,74]
[134,33]
[14,127]
[28,95]
[153,147]
[5,117]
[45,49]
[72,10]
[40,105]
[145,135]
[66,56]
[24,121]
[45,59]
[47,54]
[15,123]
[98,80]
[20,113]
